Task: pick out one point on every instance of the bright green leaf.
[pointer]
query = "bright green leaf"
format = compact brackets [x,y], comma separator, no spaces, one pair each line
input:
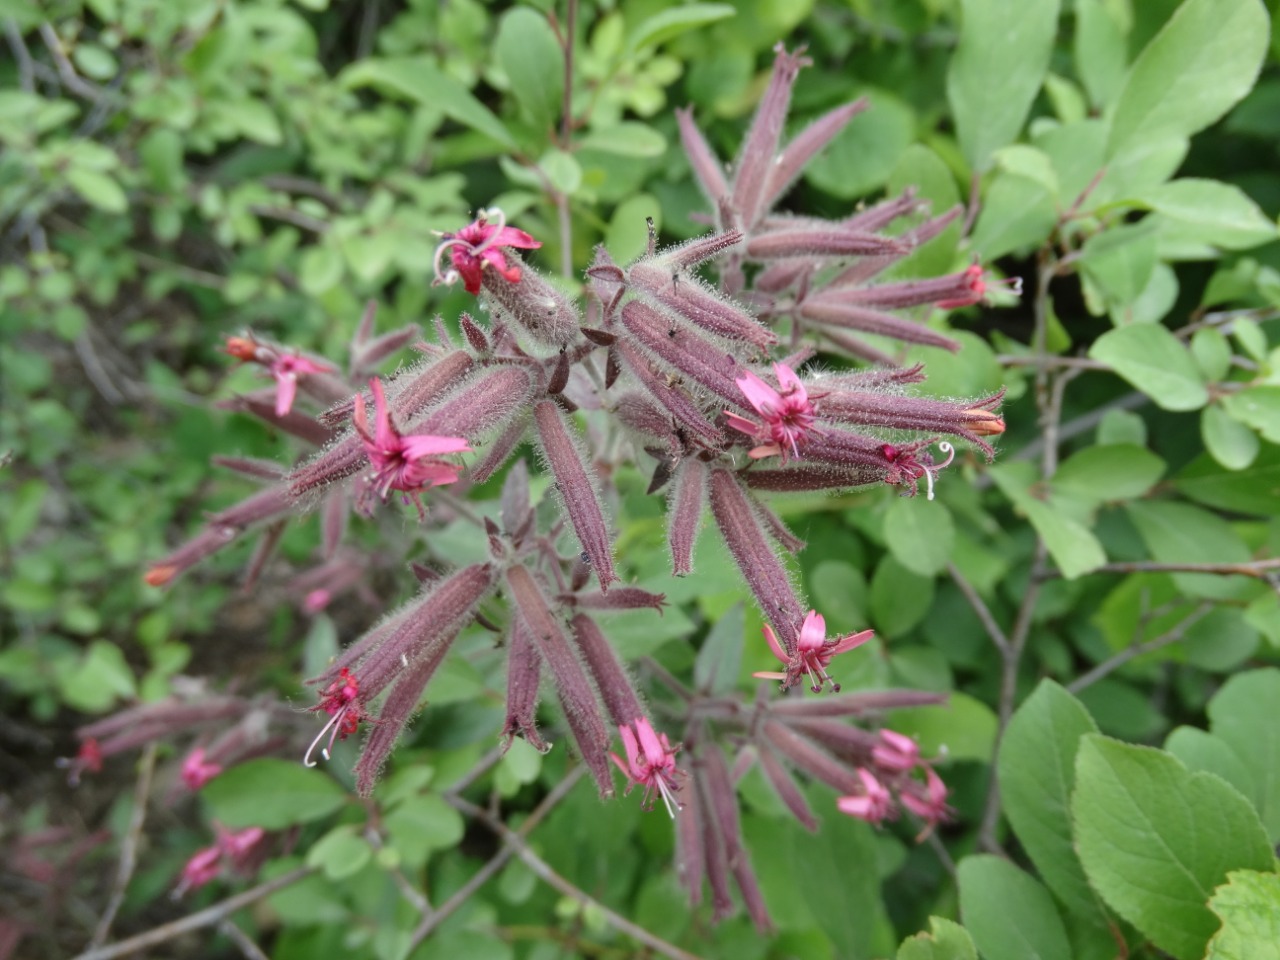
[1155,839]
[1010,39]
[1010,915]
[1228,441]
[1016,213]
[340,853]
[920,534]
[1073,547]
[1155,361]
[961,729]
[1242,714]
[1109,472]
[1120,261]
[1100,49]
[99,189]
[1222,214]
[627,139]
[945,940]
[1259,407]
[662,26]
[1197,67]
[530,55]
[1249,906]
[1201,750]
[273,794]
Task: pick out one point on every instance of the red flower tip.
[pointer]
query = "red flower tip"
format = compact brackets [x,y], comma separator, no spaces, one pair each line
[813,652]
[341,701]
[196,771]
[244,349]
[651,763]
[479,244]
[160,574]
[977,284]
[906,467]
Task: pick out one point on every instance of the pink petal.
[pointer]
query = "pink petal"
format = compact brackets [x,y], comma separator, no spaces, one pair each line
[654,753]
[813,632]
[850,642]
[790,383]
[633,752]
[772,639]
[286,391]
[759,394]
[418,445]
[386,436]
[511,237]
[741,424]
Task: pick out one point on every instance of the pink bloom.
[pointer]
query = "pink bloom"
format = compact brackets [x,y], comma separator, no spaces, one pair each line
[813,652]
[787,413]
[895,752]
[977,282]
[286,368]
[906,467]
[405,463]
[651,762]
[205,864]
[478,244]
[929,802]
[316,600]
[341,701]
[196,772]
[873,806]
[238,846]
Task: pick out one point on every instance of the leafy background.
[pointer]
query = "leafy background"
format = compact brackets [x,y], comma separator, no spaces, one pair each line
[175,171]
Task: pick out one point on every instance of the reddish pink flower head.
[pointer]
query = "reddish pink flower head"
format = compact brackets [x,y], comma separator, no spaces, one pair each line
[786,412]
[286,368]
[895,752]
[406,463]
[479,244]
[928,802]
[813,653]
[872,806]
[978,283]
[651,763]
[905,467]
[205,864]
[341,700]
[196,771]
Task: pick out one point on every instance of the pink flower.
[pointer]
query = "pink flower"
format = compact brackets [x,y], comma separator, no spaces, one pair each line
[975,279]
[316,600]
[286,368]
[234,851]
[787,413]
[651,763]
[196,772]
[341,701]
[873,806]
[405,463]
[813,652]
[478,244]
[895,752]
[205,864]
[929,802]
[906,467]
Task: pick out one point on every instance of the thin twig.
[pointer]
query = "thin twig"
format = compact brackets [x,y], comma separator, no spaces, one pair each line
[18,46]
[1018,360]
[1252,568]
[548,875]
[1114,663]
[495,863]
[208,917]
[66,72]
[129,845]
[242,940]
[980,607]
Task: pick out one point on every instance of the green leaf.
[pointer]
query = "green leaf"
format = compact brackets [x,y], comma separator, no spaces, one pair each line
[1253,489]
[1259,407]
[1100,50]
[273,794]
[256,120]
[1242,714]
[98,189]
[421,825]
[1155,839]
[661,27]
[1155,361]
[1120,261]
[628,233]
[340,853]
[420,80]
[529,53]
[920,534]
[1036,768]
[1228,440]
[1212,351]
[1201,750]
[1010,915]
[1249,906]
[1183,533]
[1009,39]
[1016,213]
[1197,67]
[626,139]
[946,940]
[962,728]
[101,677]
[1109,472]
[1222,214]
[716,668]
[890,587]
[864,154]
[1072,546]
[563,171]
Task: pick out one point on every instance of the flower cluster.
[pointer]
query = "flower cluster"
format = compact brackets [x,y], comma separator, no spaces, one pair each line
[712,388]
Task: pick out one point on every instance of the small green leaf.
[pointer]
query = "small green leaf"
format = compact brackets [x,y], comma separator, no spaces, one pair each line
[527,50]
[273,794]
[1016,213]
[1222,214]
[562,170]
[1155,839]
[1203,61]
[100,678]
[1155,361]
[1120,261]
[1253,489]
[257,121]
[420,80]
[1101,49]
[627,139]
[1249,906]
[99,189]
[1006,38]
[1212,351]
[1201,750]
[1072,546]
[1183,533]
[1250,337]
[1228,440]
[1109,472]
[1037,774]
[340,853]
[1010,915]
[663,26]
[1242,714]
[890,586]
[864,154]
[920,534]
[716,668]
[320,270]
[1259,407]
[946,940]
